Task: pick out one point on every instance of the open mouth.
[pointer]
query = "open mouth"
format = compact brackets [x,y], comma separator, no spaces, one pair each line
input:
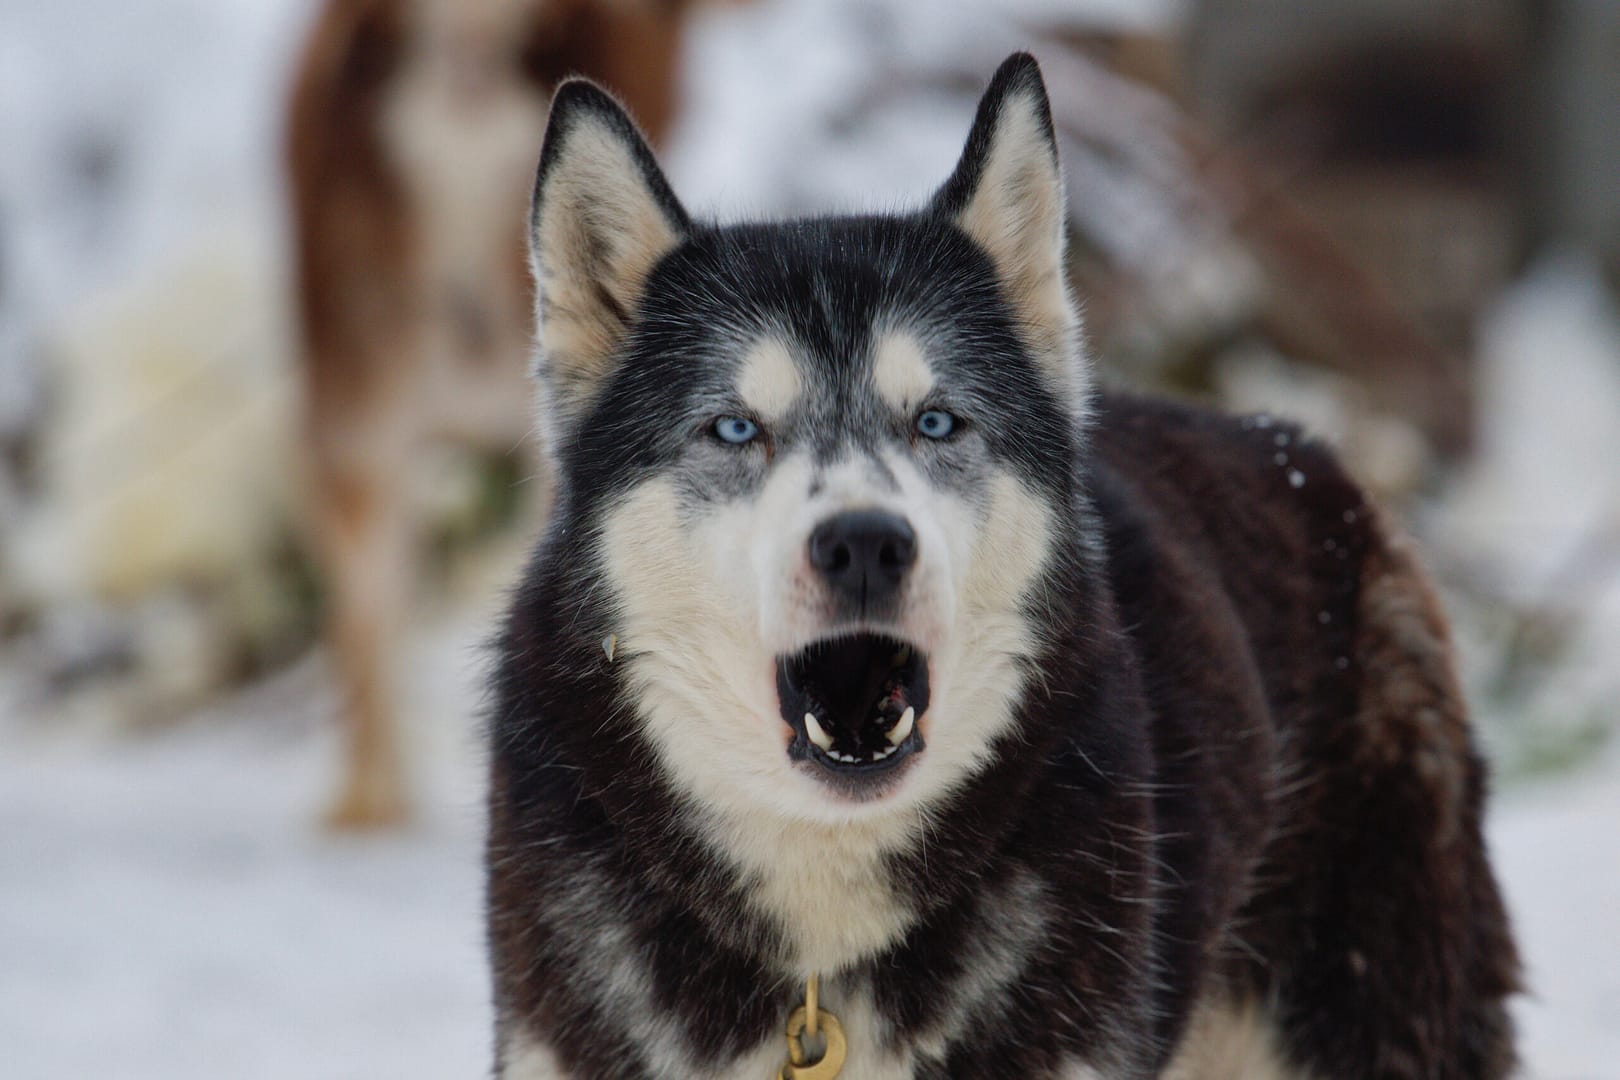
[853,702]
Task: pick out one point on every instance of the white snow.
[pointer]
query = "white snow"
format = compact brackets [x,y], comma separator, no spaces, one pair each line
[168,908]
[129,129]
[1557,851]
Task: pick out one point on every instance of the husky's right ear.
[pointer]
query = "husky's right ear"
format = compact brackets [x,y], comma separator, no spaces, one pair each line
[603,216]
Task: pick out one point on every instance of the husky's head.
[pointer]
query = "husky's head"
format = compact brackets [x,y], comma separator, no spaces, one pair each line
[822,470]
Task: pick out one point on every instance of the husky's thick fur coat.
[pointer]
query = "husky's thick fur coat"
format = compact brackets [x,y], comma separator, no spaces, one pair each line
[1066,735]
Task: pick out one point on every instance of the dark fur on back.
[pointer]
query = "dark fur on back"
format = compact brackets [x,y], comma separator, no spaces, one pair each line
[1241,773]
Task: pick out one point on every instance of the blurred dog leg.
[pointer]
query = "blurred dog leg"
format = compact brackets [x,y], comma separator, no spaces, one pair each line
[355,268]
[367,544]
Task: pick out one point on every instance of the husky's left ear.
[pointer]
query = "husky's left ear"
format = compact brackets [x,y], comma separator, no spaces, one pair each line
[603,216]
[1007,194]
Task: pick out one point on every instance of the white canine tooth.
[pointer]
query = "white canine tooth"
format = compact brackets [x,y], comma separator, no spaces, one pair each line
[610,645]
[817,733]
[898,733]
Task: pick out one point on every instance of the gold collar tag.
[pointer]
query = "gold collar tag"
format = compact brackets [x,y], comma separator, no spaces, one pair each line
[811,1020]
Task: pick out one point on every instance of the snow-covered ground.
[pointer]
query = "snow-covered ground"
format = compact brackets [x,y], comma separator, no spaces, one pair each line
[167,908]
[1557,853]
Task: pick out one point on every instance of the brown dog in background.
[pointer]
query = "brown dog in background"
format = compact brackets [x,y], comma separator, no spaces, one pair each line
[410,144]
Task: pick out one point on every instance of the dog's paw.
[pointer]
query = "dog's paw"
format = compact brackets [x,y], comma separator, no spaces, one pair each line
[367,805]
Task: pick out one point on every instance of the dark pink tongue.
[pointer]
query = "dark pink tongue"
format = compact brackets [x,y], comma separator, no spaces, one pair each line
[893,704]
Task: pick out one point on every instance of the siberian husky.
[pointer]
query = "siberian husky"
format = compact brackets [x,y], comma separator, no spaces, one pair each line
[1062,734]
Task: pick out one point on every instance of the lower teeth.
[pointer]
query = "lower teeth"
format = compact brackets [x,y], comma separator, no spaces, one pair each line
[851,759]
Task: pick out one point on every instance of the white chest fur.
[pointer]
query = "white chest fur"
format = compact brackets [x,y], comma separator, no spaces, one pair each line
[825,885]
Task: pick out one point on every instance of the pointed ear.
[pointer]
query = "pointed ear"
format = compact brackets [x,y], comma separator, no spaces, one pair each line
[603,216]
[1007,194]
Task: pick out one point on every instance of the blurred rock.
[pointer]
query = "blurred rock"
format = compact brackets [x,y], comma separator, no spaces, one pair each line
[151,554]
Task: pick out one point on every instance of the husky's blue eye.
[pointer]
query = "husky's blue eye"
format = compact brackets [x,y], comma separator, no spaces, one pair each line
[936,423]
[736,430]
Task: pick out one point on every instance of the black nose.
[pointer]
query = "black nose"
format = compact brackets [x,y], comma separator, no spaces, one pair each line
[864,554]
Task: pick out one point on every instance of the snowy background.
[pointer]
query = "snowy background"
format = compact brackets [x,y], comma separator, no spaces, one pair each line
[167,908]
